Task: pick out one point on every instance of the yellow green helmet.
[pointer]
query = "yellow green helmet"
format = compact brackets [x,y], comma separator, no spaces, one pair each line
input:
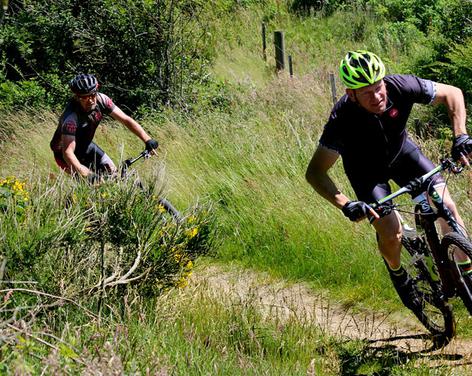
[361,68]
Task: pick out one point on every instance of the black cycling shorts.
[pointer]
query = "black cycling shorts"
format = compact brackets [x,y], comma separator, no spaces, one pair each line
[371,186]
[93,157]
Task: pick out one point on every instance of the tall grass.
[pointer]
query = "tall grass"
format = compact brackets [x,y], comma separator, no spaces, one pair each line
[248,157]
[201,331]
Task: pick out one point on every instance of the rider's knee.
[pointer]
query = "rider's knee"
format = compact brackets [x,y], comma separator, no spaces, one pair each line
[392,237]
[451,205]
[107,164]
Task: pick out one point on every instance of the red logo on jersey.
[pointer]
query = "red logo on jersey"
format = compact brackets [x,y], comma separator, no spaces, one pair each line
[70,127]
[97,116]
[393,113]
[109,103]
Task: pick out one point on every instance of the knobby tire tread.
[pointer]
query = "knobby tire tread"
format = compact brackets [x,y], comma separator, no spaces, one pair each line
[444,332]
[463,284]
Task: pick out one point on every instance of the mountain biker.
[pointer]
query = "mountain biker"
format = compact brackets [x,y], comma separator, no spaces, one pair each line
[367,128]
[72,145]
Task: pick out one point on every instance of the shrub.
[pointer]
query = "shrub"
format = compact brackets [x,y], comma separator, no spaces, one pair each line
[143,52]
[72,238]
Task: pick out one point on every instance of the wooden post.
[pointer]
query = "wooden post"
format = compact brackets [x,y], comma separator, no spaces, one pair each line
[279,50]
[333,87]
[264,44]
[290,65]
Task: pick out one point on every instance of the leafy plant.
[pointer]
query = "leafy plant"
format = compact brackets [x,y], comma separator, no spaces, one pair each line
[143,52]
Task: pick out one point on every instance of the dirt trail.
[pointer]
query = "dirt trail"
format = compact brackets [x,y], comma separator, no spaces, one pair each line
[275,297]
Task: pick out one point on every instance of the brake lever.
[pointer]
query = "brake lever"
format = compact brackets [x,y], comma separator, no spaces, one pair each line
[381,209]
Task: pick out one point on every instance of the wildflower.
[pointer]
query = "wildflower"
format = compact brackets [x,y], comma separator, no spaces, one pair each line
[181,282]
[177,256]
[11,187]
[191,232]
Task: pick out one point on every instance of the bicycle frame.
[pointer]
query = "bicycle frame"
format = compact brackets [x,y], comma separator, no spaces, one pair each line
[416,189]
[426,216]
[164,202]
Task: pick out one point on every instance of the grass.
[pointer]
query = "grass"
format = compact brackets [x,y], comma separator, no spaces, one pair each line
[247,156]
[205,329]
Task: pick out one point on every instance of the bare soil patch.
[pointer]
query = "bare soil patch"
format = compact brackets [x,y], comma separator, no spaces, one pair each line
[282,300]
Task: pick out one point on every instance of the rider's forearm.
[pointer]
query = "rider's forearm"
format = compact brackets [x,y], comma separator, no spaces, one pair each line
[453,99]
[137,129]
[457,115]
[324,186]
[74,164]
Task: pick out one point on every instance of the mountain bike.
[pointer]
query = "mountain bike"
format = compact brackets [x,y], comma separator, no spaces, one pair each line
[124,172]
[432,261]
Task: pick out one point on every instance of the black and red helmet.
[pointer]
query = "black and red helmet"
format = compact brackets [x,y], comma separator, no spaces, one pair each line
[84,84]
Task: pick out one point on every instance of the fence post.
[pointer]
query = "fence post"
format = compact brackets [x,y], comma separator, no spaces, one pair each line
[290,65]
[264,44]
[279,50]
[333,87]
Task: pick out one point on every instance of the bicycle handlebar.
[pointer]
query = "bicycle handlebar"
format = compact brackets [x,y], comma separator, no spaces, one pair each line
[144,154]
[128,162]
[417,183]
[383,208]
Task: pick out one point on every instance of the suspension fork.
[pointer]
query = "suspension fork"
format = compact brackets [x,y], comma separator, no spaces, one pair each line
[425,218]
[444,212]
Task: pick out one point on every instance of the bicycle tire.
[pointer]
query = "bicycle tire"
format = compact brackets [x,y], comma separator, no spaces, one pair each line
[435,313]
[169,208]
[451,243]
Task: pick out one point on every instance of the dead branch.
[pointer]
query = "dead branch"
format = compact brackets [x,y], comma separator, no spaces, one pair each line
[60,298]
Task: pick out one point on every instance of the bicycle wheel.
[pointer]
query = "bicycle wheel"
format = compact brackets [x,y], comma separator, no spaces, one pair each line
[169,208]
[166,205]
[434,312]
[453,244]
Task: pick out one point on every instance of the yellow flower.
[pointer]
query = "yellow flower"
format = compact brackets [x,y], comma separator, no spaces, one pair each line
[16,187]
[181,283]
[177,256]
[191,232]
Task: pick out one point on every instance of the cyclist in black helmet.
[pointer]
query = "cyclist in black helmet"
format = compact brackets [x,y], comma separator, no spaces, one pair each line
[367,128]
[72,145]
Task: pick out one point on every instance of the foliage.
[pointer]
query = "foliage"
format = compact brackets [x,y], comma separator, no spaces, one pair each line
[143,52]
[139,232]
[458,68]
[136,239]
[13,192]
[325,7]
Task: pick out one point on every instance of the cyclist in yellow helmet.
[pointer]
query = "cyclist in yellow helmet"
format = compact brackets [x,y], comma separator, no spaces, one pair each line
[367,128]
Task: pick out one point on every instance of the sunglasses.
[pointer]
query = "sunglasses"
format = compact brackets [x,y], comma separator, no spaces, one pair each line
[86,97]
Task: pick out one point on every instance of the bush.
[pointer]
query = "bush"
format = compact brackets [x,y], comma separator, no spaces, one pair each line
[143,52]
[76,238]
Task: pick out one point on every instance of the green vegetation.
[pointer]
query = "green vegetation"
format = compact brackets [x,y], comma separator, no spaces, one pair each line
[146,53]
[234,149]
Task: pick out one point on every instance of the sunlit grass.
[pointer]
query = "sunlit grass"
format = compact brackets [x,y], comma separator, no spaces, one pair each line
[248,159]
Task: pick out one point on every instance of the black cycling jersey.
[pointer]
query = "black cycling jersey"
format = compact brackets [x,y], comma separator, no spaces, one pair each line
[375,148]
[76,122]
[366,140]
